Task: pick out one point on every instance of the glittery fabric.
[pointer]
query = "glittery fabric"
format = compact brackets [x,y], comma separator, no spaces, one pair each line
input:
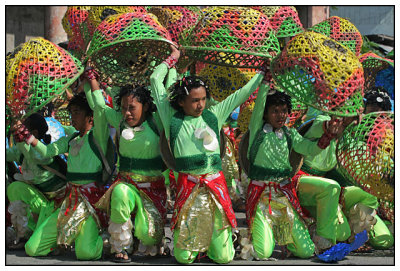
[197,219]
[75,209]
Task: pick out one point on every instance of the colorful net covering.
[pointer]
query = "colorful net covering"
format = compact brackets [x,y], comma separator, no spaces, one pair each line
[322,73]
[341,30]
[126,47]
[298,111]
[179,22]
[74,24]
[232,36]
[246,109]
[99,13]
[284,20]
[63,116]
[365,155]
[38,72]
[378,72]
[223,81]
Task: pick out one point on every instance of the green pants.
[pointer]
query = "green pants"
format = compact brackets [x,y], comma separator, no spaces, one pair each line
[126,199]
[321,197]
[221,247]
[88,243]
[264,243]
[30,195]
[380,236]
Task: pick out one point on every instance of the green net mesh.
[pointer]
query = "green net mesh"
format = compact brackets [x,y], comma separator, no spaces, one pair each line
[62,115]
[232,36]
[38,72]
[322,73]
[126,47]
[365,155]
[74,24]
[375,68]
[222,81]
[284,20]
[341,30]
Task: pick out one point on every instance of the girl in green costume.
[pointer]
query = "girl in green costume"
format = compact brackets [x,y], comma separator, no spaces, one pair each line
[273,211]
[76,221]
[140,188]
[32,196]
[203,217]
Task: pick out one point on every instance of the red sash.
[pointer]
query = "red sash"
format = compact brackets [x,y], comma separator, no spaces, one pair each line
[218,187]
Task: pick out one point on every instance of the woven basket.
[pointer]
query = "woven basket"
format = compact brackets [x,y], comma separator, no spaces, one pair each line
[284,20]
[222,81]
[98,13]
[126,47]
[74,24]
[38,72]
[341,30]
[232,36]
[322,73]
[365,155]
[378,72]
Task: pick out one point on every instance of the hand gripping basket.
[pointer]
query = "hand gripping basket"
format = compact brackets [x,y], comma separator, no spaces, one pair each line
[341,30]
[74,24]
[38,72]
[365,155]
[321,73]
[232,36]
[126,47]
[378,72]
[284,20]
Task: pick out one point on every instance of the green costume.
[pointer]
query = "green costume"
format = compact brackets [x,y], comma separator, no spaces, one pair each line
[324,164]
[197,158]
[76,220]
[269,164]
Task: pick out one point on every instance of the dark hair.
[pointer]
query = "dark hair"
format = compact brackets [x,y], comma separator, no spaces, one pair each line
[80,101]
[182,88]
[278,98]
[38,122]
[141,93]
[378,96]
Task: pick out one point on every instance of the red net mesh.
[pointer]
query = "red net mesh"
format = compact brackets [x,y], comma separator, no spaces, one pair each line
[341,30]
[284,20]
[373,64]
[232,36]
[74,24]
[317,71]
[365,155]
[38,72]
[125,48]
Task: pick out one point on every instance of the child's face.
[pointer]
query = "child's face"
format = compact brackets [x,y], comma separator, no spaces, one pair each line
[276,115]
[195,102]
[133,111]
[79,120]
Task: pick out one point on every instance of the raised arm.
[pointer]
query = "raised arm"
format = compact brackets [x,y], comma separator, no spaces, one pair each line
[224,108]
[256,119]
[159,92]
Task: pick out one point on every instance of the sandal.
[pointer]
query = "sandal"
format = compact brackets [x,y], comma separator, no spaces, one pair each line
[121,259]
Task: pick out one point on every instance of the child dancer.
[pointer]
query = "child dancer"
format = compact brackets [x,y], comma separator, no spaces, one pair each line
[76,220]
[140,187]
[272,209]
[32,196]
[203,217]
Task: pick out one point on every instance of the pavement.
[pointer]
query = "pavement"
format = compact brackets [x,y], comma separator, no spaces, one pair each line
[14,258]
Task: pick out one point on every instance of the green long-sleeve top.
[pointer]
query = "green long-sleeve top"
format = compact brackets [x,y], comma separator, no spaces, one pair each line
[187,145]
[326,159]
[268,151]
[30,163]
[84,166]
[140,154]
